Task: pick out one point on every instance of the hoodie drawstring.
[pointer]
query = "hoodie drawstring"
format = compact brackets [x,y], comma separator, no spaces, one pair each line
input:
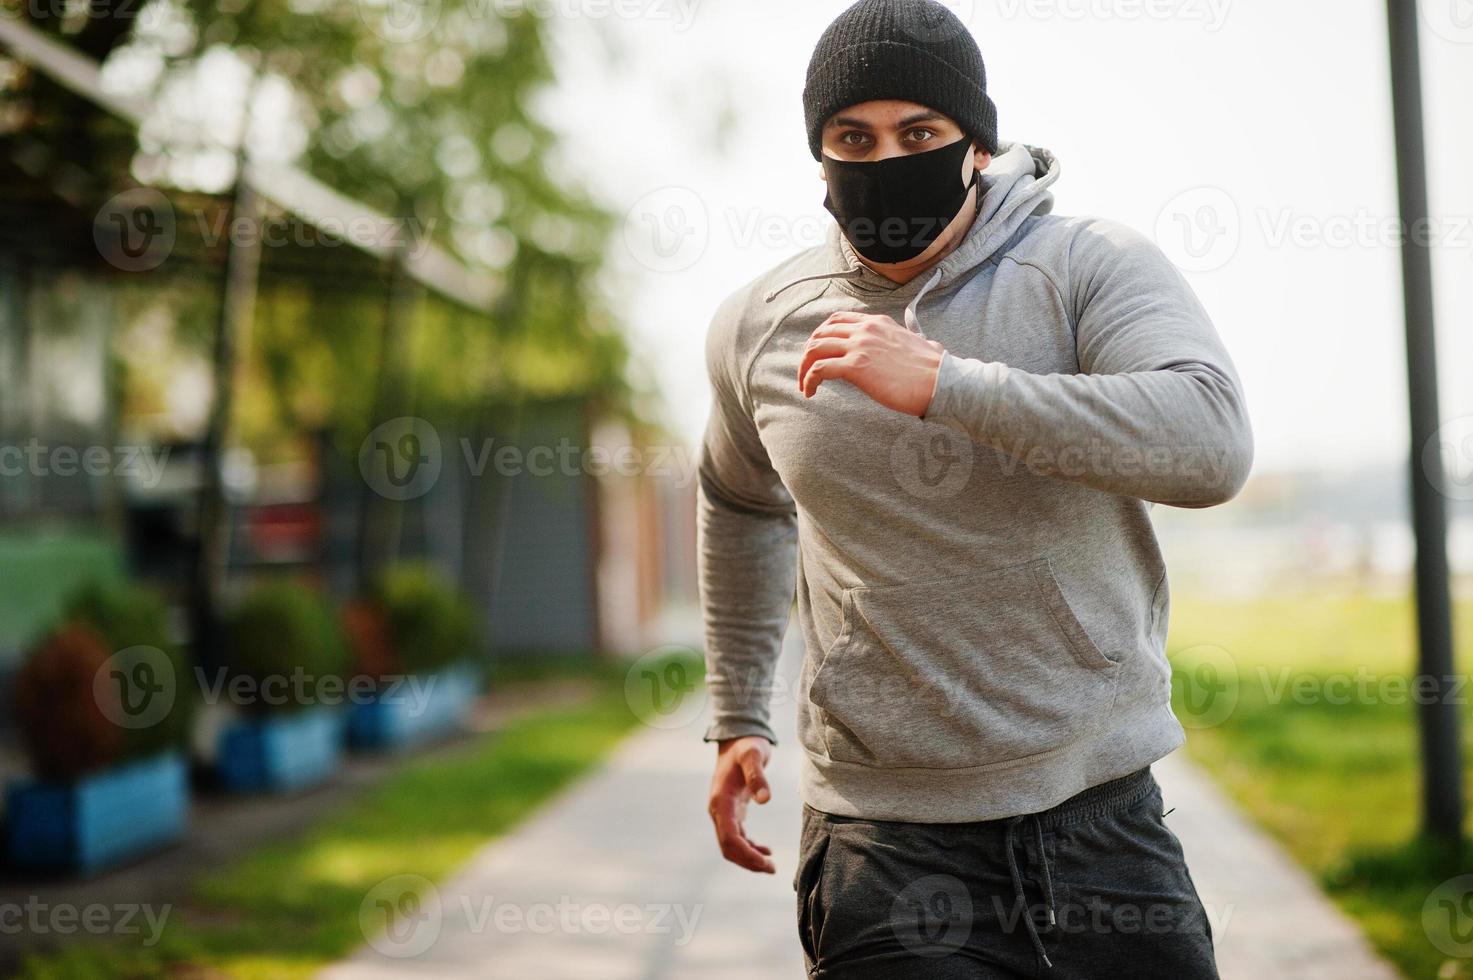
[1048,882]
[912,322]
[845,274]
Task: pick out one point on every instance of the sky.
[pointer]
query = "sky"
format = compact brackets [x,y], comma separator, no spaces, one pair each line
[1251,139]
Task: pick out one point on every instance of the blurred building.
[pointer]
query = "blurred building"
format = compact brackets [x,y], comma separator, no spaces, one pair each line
[570,562]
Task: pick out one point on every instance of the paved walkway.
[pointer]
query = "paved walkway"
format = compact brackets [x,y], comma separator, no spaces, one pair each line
[619,879]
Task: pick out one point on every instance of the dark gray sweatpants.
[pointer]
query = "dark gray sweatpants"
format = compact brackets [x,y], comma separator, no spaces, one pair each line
[1094,887]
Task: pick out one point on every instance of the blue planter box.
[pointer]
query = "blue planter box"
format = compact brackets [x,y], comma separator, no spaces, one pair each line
[100,820]
[281,752]
[420,708]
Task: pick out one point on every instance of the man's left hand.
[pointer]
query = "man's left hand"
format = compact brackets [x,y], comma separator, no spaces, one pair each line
[891,364]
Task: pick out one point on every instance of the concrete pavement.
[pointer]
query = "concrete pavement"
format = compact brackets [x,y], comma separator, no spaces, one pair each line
[619,879]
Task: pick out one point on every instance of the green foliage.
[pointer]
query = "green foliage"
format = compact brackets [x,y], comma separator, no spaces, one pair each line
[67,136]
[40,570]
[429,121]
[430,623]
[134,623]
[282,632]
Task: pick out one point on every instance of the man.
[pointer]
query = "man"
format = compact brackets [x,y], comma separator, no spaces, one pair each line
[944,428]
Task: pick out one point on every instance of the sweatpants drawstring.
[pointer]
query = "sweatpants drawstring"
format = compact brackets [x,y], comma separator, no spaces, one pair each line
[1048,882]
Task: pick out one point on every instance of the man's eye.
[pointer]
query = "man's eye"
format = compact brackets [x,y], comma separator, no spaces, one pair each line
[853,138]
[921,135]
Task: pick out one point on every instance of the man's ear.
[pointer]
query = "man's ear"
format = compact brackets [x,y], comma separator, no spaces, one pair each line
[981,158]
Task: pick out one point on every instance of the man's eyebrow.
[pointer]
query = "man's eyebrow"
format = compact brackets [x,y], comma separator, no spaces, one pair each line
[853,122]
[927,115]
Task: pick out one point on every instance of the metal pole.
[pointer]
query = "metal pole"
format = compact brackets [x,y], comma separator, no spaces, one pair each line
[380,520]
[1442,775]
[237,311]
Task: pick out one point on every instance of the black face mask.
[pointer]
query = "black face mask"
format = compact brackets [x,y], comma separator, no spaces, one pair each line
[893,210]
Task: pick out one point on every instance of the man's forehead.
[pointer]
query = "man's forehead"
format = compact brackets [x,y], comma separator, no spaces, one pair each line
[886,112]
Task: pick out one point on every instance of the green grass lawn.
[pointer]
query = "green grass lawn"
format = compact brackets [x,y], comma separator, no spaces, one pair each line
[38,572]
[1297,706]
[289,908]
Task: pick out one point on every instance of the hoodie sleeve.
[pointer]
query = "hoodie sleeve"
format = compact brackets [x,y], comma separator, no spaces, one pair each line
[746,539]
[1157,410]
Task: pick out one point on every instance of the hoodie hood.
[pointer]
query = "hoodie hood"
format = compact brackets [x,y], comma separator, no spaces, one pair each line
[1015,186]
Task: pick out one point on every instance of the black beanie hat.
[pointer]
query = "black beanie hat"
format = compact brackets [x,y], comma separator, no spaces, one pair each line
[916,50]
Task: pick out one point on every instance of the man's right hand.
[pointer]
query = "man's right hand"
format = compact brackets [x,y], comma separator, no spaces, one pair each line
[739,777]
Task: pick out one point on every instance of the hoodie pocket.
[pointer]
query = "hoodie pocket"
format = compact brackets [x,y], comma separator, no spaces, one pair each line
[977,671]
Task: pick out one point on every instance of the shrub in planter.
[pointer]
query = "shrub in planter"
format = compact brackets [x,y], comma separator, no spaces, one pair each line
[286,656]
[429,622]
[134,624]
[414,634]
[64,726]
[279,632]
[367,629]
[99,711]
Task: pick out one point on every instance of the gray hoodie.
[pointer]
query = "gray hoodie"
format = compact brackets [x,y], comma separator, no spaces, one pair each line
[982,598]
